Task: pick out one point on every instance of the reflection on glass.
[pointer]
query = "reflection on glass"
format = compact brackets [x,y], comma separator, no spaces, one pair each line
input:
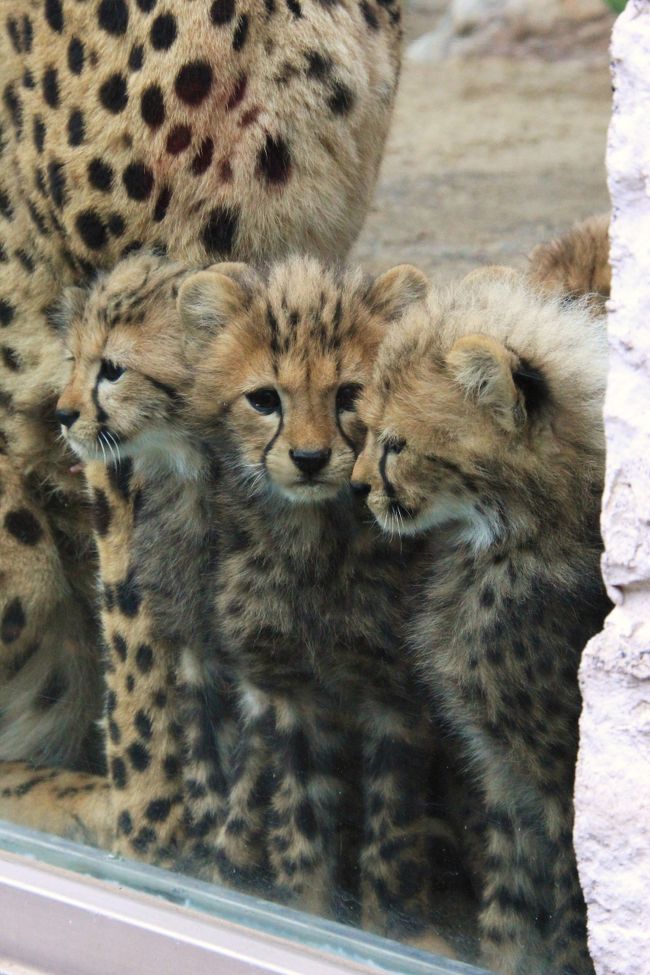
[341,527]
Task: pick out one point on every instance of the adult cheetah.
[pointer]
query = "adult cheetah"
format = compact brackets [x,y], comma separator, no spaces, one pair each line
[211,129]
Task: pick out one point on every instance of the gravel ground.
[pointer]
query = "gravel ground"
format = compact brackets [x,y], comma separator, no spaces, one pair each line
[487,157]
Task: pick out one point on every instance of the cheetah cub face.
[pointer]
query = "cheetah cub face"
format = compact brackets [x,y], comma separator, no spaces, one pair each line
[483,408]
[128,368]
[283,363]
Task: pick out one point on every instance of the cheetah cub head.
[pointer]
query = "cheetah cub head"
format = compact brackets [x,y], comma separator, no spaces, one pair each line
[128,368]
[282,361]
[484,412]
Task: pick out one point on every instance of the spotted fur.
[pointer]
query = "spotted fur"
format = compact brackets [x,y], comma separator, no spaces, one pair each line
[576,264]
[209,129]
[486,442]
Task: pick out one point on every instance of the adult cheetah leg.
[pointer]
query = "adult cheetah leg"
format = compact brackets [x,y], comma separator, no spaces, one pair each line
[69,804]
[303,836]
[397,855]
[144,749]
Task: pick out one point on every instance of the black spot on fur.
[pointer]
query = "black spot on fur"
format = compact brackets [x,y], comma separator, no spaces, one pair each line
[120,477]
[91,229]
[7,312]
[22,524]
[369,15]
[76,127]
[136,57]
[57,183]
[113,17]
[101,512]
[138,181]
[76,56]
[51,87]
[144,658]
[14,106]
[128,595]
[203,158]
[160,209]
[222,11]
[241,33]
[219,231]
[158,810]
[38,133]
[274,161]
[100,175]
[341,100]
[163,32]
[139,756]
[152,106]
[54,15]
[125,823]
[143,725]
[10,359]
[193,82]
[113,94]
[116,225]
[119,773]
[120,646]
[13,621]
[295,8]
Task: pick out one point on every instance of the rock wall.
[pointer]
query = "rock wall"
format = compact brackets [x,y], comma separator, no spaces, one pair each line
[613,782]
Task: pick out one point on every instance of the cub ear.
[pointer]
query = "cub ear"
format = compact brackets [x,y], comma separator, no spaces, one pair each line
[209,299]
[70,306]
[484,369]
[493,272]
[396,290]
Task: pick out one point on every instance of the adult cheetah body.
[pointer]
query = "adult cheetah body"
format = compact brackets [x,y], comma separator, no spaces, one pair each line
[207,129]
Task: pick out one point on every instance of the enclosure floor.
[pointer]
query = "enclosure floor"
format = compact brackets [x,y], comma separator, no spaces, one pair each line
[486,158]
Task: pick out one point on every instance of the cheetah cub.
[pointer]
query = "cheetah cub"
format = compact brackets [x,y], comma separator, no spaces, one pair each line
[308,596]
[123,406]
[123,409]
[486,440]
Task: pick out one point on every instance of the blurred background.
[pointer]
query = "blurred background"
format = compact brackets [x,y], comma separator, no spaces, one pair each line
[499,133]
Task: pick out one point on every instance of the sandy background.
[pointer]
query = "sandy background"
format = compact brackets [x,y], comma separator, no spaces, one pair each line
[489,155]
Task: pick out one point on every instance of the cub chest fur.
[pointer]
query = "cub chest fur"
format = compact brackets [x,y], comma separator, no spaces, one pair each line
[310,596]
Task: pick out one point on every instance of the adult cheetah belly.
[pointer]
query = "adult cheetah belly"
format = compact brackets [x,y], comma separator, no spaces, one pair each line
[241,129]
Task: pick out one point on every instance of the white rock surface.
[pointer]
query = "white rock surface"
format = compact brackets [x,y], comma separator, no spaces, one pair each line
[613,781]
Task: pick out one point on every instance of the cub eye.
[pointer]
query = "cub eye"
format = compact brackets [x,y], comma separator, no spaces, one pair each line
[265,401]
[110,371]
[395,446]
[347,397]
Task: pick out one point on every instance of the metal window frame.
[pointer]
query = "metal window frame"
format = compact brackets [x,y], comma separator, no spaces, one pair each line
[67,909]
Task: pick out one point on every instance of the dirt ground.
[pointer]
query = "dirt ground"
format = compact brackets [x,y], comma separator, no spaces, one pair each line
[487,157]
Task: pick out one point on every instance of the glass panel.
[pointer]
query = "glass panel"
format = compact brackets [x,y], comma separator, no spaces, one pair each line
[340,557]
[228,905]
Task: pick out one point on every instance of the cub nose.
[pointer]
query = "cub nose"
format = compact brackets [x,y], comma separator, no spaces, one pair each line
[67,417]
[310,461]
[359,488]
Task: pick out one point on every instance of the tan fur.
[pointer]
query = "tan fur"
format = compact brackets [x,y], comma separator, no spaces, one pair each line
[576,264]
[108,145]
[485,433]
[269,806]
